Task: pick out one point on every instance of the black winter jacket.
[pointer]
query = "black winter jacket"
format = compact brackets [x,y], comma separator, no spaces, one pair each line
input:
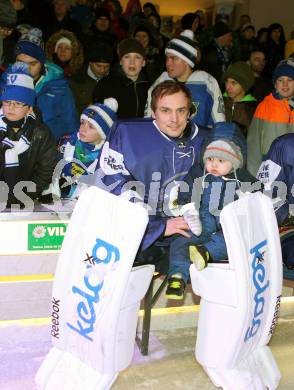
[130,95]
[38,162]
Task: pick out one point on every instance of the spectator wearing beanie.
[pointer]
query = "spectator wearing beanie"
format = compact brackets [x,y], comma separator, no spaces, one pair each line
[27,148]
[239,104]
[147,36]
[243,42]
[54,97]
[99,58]
[217,56]
[181,53]
[274,116]
[64,49]
[101,30]
[126,83]
[81,150]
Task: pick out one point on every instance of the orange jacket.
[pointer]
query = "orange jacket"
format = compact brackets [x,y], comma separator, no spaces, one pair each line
[273,117]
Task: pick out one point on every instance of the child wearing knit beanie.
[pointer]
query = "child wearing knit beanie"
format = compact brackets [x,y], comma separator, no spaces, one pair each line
[224,158]
[27,148]
[81,151]
[239,104]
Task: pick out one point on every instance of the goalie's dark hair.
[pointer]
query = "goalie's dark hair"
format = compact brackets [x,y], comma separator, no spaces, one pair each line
[170,87]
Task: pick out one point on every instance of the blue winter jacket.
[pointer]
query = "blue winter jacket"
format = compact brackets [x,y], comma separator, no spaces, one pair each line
[56,102]
[148,167]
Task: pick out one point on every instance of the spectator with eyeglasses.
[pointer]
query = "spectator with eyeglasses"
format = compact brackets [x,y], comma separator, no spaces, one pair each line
[27,147]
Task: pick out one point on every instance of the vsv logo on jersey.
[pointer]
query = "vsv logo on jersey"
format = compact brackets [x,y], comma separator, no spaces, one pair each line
[103,255]
[258,279]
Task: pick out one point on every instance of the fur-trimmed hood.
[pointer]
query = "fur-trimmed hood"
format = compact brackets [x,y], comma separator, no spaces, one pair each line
[77,59]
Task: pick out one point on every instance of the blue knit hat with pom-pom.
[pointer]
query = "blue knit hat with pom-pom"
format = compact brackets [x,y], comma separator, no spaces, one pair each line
[101,116]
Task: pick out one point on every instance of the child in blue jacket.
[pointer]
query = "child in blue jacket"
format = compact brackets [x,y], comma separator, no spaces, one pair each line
[224,159]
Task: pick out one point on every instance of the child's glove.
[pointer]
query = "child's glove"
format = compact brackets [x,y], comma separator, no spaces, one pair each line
[191,217]
[16,148]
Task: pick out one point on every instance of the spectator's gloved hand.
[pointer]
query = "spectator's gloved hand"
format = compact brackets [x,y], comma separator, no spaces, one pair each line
[191,217]
[15,148]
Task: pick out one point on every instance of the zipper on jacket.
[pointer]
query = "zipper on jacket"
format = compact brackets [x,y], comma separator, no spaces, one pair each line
[232,111]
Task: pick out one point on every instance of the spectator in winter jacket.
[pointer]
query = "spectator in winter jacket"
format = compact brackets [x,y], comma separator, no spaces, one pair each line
[99,58]
[101,30]
[262,85]
[275,47]
[244,42]
[217,56]
[27,148]
[147,36]
[65,50]
[54,97]
[126,83]
[239,104]
[59,18]
[273,117]
[181,53]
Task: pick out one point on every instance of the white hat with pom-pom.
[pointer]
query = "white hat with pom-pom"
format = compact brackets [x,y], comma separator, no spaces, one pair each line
[184,47]
[101,116]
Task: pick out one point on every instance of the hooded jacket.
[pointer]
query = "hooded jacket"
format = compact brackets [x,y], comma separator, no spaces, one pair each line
[56,102]
[77,60]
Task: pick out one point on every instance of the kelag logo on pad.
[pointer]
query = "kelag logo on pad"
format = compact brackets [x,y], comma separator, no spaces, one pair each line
[47,236]
[260,283]
[103,256]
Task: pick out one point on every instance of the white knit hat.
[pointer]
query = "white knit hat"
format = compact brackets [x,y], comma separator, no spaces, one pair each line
[63,40]
[184,47]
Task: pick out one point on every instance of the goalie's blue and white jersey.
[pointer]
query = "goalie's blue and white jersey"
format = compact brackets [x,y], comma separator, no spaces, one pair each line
[277,174]
[145,165]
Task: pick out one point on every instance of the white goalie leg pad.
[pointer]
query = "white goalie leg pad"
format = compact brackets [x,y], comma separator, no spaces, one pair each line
[96,294]
[238,313]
